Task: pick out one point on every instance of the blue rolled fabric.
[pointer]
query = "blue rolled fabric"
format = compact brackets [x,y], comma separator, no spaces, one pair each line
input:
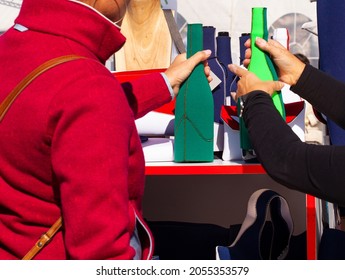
[331,18]
[332,245]
[224,57]
[243,38]
[219,93]
[258,238]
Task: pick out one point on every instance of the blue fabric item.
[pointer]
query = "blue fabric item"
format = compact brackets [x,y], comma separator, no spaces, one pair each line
[260,239]
[331,18]
[251,246]
[223,253]
[219,93]
[243,38]
[197,241]
[189,241]
[332,245]
[223,41]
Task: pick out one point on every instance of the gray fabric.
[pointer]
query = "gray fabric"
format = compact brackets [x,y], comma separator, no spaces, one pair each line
[136,245]
[174,32]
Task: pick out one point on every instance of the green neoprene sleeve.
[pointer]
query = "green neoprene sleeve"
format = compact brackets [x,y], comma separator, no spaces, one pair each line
[262,66]
[261,63]
[194,109]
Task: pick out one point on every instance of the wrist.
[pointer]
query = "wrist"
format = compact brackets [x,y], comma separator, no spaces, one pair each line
[297,73]
[169,86]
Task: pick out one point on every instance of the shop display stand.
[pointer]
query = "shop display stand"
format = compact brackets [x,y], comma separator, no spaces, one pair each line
[220,168]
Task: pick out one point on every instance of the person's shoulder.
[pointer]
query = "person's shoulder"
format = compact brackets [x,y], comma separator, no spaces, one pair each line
[83,78]
[86,71]
[90,66]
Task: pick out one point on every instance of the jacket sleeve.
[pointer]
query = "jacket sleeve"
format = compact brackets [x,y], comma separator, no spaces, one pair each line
[312,169]
[91,125]
[146,94]
[325,93]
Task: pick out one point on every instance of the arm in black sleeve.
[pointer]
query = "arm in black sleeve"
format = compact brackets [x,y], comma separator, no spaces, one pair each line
[325,93]
[312,169]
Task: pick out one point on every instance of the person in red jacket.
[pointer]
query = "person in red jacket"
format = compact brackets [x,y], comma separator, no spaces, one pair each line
[69,145]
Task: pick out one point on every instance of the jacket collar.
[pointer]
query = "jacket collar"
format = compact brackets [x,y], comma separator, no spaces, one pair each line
[75,21]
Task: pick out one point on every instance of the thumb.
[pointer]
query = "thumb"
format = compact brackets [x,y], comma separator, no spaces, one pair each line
[277,85]
[273,47]
[199,57]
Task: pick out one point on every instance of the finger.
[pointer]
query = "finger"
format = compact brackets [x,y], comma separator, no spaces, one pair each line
[247,43]
[278,85]
[276,44]
[248,53]
[207,70]
[246,62]
[239,71]
[181,57]
[234,96]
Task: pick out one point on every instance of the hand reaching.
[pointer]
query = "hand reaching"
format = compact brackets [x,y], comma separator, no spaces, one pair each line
[249,82]
[181,68]
[288,66]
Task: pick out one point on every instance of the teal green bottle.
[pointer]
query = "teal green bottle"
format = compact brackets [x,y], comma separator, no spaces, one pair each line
[262,66]
[194,109]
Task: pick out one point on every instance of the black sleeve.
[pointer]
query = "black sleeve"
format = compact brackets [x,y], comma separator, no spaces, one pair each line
[325,93]
[313,169]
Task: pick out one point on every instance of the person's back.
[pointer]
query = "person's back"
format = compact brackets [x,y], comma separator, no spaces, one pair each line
[69,145]
[67,139]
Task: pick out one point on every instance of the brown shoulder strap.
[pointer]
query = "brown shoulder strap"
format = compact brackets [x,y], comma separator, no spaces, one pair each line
[6,104]
[43,240]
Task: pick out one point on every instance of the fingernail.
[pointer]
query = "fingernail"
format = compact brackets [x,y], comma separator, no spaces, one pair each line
[208,52]
[232,67]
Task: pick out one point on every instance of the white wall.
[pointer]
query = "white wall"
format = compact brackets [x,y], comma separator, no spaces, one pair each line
[234,16]
[8,13]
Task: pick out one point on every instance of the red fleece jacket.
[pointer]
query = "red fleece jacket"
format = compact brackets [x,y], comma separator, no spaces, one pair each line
[68,144]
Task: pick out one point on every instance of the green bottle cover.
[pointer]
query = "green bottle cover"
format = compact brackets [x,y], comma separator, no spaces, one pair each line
[194,109]
[261,63]
[262,66]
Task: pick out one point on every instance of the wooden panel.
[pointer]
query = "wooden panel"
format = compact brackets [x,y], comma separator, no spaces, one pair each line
[148,42]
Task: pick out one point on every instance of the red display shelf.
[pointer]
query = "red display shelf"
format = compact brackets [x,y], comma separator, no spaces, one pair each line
[217,167]
[311,228]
